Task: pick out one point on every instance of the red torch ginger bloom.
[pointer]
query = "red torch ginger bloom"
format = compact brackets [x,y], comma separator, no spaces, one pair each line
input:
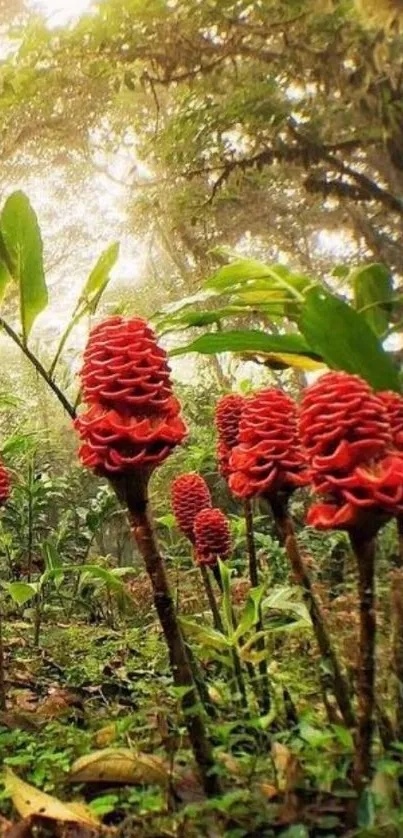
[134,419]
[394,408]
[189,495]
[227,417]
[268,458]
[212,537]
[346,434]
[124,368]
[4,485]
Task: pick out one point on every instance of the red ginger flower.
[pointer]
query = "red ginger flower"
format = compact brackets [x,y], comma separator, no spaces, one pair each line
[212,536]
[124,368]
[4,485]
[134,420]
[227,417]
[189,495]
[394,408]
[268,458]
[346,434]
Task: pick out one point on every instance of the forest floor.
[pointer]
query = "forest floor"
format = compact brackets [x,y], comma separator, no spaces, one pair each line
[92,717]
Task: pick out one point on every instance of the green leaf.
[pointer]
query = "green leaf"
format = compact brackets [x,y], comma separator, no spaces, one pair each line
[343,338]
[366,810]
[344,736]
[250,613]
[373,294]
[22,239]
[20,592]
[246,341]
[99,276]
[205,636]
[103,574]
[241,274]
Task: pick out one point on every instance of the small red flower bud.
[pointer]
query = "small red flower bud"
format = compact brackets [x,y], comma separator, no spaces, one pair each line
[227,417]
[189,495]
[268,457]
[394,408]
[212,536]
[134,419]
[346,434]
[4,485]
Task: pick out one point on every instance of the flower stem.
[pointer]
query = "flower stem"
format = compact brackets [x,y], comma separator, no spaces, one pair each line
[218,625]
[286,532]
[134,493]
[254,580]
[400,539]
[396,579]
[2,664]
[365,553]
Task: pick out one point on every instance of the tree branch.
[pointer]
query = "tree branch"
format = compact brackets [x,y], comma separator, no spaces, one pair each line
[39,368]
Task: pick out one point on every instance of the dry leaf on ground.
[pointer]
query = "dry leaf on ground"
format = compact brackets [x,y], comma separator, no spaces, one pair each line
[119,765]
[30,801]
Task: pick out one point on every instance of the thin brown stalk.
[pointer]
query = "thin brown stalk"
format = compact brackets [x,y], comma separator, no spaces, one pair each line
[2,667]
[365,553]
[396,595]
[400,539]
[134,493]
[218,625]
[254,580]
[286,532]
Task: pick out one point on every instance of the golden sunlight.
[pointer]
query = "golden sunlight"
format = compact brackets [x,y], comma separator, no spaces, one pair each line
[61,12]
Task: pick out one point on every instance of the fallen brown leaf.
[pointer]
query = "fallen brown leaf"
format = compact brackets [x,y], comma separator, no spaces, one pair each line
[119,765]
[30,801]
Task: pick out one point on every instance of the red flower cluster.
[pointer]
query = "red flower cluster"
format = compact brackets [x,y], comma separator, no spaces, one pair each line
[268,458]
[346,434]
[227,417]
[394,408]
[212,537]
[189,495]
[4,485]
[134,419]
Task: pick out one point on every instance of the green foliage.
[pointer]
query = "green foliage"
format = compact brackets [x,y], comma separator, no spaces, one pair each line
[345,341]
[22,240]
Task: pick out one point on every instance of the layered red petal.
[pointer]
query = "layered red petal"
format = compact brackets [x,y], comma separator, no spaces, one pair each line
[346,434]
[124,368]
[133,421]
[268,457]
[228,413]
[4,485]
[393,403]
[212,536]
[189,495]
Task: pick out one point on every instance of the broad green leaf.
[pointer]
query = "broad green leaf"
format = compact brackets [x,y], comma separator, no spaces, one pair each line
[373,294]
[103,574]
[192,319]
[247,341]
[285,599]
[22,239]
[250,613]
[51,555]
[100,275]
[343,338]
[239,274]
[204,635]
[20,592]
